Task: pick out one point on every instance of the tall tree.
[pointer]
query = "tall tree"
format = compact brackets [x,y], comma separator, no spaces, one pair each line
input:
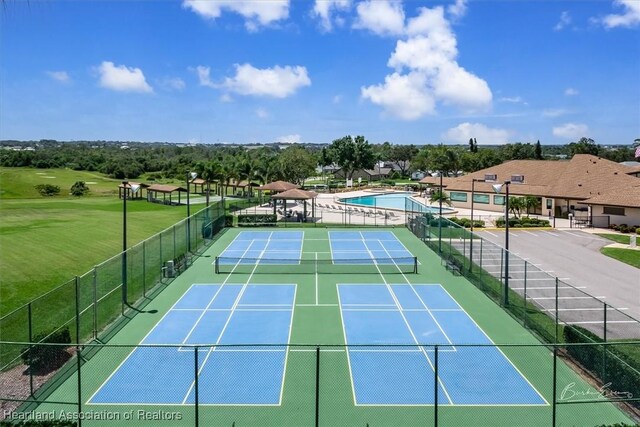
[584,146]
[351,154]
[538,151]
[296,164]
[402,155]
[444,159]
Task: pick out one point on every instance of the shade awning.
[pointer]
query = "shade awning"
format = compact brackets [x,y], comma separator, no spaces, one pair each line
[160,188]
[295,194]
[279,186]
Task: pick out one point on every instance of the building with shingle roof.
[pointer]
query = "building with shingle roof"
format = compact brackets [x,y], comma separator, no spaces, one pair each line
[586,183]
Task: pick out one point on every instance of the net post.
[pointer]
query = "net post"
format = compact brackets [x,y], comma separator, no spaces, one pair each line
[30,347]
[435,385]
[217,265]
[415,264]
[317,420]
[195,385]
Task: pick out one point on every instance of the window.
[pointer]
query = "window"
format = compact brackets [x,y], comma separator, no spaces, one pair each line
[517,178]
[498,200]
[458,197]
[481,198]
[612,210]
[490,177]
[549,203]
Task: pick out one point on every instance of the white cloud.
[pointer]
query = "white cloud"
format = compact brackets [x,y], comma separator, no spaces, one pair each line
[554,112]
[262,113]
[203,76]
[382,17]
[289,139]
[278,82]
[629,18]
[173,83]
[225,97]
[571,91]
[324,9]
[485,135]
[513,100]
[402,96]
[337,99]
[571,130]
[458,9]
[257,13]
[60,76]
[429,58]
[122,78]
[565,20]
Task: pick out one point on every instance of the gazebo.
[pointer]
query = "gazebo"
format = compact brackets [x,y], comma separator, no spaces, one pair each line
[126,191]
[153,190]
[297,194]
[278,186]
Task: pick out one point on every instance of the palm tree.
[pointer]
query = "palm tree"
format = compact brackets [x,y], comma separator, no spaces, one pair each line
[516,205]
[438,195]
[211,172]
[531,203]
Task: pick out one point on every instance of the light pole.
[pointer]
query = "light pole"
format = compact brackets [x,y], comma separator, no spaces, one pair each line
[440,217]
[134,189]
[473,191]
[193,176]
[497,188]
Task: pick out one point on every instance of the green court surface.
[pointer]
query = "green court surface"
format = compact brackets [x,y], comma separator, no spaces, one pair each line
[322,380]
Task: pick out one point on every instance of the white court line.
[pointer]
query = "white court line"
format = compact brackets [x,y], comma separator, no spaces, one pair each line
[316,278]
[316,305]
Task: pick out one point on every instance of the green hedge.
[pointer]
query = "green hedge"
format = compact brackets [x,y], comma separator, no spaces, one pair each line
[614,364]
[466,222]
[47,423]
[523,222]
[45,358]
[257,220]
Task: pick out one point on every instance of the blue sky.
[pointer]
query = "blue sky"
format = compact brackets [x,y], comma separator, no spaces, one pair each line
[407,72]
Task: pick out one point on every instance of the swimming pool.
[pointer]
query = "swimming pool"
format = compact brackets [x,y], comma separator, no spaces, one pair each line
[391,201]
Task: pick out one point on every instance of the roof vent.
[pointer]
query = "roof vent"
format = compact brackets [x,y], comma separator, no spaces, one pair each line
[490,177]
[517,178]
[579,185]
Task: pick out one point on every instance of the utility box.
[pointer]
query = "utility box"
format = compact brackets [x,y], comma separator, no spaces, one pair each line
[169,270]
[632,241]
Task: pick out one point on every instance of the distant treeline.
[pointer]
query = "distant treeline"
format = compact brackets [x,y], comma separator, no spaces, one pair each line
[166,161]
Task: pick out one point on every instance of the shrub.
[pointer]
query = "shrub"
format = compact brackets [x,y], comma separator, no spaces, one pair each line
[79,188]
[45,358]
[47,190]
[519,223]
[257,220]
[466,222]
[228,220]
[638,230]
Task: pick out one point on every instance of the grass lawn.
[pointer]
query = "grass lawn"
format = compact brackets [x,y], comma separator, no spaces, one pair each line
[46,241]
[628,256]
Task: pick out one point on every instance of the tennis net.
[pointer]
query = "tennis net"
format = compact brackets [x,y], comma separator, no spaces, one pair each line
[389,265]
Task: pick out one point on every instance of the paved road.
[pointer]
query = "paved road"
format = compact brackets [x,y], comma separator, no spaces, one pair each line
[574,257]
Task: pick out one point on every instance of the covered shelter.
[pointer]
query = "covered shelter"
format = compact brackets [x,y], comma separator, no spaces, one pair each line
[297,194]
[124,190]
[278,186]
[155,190]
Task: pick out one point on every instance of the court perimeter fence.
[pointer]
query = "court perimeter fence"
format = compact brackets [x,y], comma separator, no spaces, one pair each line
[86,308]
[555,311]
[318,390]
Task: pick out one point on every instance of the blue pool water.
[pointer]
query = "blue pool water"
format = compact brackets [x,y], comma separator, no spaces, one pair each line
[391,201]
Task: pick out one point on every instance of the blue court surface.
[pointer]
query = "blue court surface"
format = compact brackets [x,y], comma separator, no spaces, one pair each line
[269,247]
[406,315]
[211,314]
[366,246]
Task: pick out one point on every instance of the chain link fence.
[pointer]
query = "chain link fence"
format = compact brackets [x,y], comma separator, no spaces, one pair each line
[289,385]
[85,308]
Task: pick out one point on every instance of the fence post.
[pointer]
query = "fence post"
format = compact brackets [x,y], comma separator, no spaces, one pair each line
[174,242]
[30,347]
[144,268]
[481,240]
[78,351]
[604,349]
[435,386]
[195,385]
[95,303]
[556,340]
[524,315]
[555,386]
[318,386]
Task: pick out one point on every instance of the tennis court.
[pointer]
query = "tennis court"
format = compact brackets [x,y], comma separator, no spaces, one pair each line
[323,327]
